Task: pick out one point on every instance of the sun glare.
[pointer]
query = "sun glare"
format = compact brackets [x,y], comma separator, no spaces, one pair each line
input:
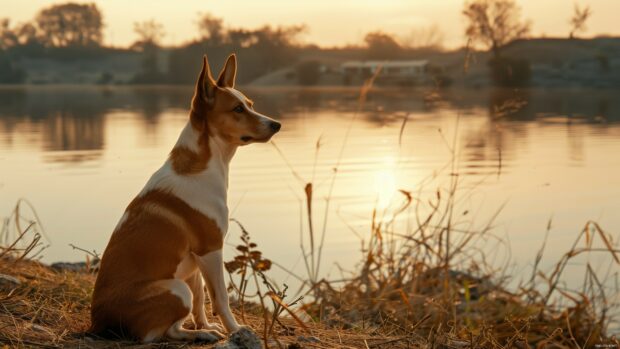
[385,182]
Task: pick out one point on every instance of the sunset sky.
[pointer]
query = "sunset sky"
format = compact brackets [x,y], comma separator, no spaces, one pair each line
[330,22]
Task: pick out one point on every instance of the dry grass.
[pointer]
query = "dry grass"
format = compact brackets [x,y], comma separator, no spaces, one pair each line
[432,282]
[401,297]
[44,307]
[52,309]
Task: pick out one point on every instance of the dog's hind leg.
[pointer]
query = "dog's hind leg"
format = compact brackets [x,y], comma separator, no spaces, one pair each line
[163,308]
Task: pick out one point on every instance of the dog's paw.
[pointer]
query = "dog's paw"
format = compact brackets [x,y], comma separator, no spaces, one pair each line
[208,336]
[210,327]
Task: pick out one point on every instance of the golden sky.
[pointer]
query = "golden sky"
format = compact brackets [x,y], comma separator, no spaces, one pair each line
[330,22]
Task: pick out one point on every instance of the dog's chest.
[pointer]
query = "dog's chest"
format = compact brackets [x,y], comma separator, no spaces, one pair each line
[205,192]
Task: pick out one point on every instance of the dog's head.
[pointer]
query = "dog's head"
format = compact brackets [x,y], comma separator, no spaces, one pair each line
[224,112]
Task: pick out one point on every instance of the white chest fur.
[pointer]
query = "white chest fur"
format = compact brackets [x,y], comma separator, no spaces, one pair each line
[205,191]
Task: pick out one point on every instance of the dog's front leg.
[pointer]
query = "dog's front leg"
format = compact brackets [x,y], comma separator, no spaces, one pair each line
[212,268]
[197,285]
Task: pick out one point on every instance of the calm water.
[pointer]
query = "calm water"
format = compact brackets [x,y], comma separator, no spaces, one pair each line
[80,154]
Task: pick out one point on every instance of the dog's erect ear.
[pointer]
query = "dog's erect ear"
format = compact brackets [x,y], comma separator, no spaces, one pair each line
[205,86]
[228,73]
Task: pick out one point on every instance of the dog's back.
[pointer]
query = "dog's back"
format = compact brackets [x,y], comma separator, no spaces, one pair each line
[136,277]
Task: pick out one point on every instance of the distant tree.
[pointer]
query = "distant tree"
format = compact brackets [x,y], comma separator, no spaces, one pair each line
[579,19]
[22,34]
[278,36]
[241,37]
[268,47]
[382,45]
[431,37]
[150,33]
[8,38]
[494,23]
[211,29]
[26,34]
[70,24]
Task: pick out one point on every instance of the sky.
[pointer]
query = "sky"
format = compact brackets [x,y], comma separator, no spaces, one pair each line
[329,22]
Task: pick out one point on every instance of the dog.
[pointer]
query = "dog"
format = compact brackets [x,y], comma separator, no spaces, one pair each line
[168,244]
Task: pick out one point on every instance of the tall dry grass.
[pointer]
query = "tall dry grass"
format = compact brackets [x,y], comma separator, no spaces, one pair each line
[21,233]
[436,281]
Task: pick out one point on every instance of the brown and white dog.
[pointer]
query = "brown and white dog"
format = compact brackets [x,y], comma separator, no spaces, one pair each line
[168,244]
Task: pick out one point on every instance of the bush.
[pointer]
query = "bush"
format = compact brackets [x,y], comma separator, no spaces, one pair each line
[603,62]
[308,73]
[510,72]
[105,78]
[9,73]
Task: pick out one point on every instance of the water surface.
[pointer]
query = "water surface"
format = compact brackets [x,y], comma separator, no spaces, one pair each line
[80,154]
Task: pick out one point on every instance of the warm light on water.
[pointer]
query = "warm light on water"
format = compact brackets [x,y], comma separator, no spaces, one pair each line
[81,154]
[385,182]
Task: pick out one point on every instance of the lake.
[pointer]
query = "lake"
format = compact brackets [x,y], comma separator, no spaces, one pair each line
[79,154]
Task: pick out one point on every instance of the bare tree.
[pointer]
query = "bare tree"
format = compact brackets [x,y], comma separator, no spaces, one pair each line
[579,19]
[431,37]
[70,24]
[494,23]
[211,29]
[150,33]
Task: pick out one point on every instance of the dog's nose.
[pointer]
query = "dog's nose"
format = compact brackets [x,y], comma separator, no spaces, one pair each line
[275,126]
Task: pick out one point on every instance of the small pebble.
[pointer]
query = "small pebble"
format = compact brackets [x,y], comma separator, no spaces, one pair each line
[9,282]
[244,338]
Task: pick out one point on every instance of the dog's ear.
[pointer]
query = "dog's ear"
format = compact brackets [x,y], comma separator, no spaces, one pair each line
[228,73]
[205,86]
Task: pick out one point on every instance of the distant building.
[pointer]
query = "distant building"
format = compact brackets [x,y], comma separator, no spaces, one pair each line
[399,72]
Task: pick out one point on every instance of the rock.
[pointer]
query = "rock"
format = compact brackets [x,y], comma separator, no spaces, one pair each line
[8,282]
[244,338]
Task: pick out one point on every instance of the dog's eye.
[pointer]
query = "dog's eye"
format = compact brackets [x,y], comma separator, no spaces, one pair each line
[238,109]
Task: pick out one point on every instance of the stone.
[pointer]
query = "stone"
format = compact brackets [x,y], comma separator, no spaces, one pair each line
[244,338]
[8,282]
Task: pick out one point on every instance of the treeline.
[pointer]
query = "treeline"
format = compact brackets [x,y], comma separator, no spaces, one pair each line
[75,31]
[72,31]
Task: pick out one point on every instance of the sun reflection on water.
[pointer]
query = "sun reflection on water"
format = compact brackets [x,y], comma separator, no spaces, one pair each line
[385,182]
